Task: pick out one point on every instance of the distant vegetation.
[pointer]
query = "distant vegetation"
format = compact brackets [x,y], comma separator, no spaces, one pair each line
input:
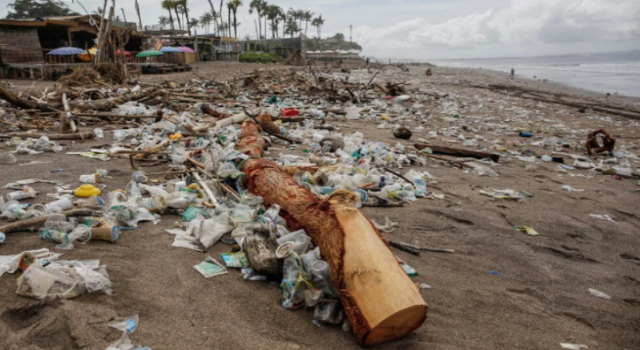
[259,57]
[38,8]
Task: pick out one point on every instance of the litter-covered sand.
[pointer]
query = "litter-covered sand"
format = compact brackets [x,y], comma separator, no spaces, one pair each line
[501,288]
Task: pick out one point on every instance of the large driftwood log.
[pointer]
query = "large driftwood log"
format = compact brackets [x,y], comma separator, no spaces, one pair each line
[380,300]
[458,152]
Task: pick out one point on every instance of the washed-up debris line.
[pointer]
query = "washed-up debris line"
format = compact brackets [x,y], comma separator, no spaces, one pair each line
[216,155]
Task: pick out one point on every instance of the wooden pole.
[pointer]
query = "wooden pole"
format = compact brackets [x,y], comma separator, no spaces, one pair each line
[380,300]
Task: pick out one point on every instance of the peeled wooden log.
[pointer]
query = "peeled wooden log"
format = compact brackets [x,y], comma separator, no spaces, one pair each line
[109,104]
[458,152]
[380,300]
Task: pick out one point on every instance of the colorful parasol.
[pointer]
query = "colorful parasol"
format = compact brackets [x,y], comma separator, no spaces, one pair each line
[150,53]
[167,49]
[185,49]
[66,51]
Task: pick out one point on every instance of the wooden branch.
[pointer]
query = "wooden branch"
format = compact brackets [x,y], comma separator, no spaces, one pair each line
[35,222]
[404,247]
[458,152]
[53,137]
[206,189]
[109,104]
[112,115]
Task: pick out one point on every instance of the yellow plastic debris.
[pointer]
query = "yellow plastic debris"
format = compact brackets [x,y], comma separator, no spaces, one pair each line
[87,191]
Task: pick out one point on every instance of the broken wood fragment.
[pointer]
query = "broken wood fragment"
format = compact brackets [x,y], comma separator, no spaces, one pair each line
[39,221]
[450,151]
[53,137]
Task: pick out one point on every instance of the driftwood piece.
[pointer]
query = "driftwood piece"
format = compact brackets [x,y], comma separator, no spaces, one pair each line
[404,247]
[117,116]
[12,98]
[53,137]
[267,124]
[35,222]
[109,104]
[380,300]
[458,152]
[207,190]
[207,109]
[592,146]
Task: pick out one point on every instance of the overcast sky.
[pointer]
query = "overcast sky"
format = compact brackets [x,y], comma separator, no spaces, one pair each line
[432,29]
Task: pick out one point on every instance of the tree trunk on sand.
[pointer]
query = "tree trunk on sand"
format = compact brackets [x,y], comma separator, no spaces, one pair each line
[380,300]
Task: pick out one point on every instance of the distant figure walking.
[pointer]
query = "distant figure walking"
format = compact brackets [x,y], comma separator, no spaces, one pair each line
[513,73]
[367,61]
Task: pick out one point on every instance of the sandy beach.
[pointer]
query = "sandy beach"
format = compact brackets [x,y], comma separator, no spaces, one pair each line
[501,289]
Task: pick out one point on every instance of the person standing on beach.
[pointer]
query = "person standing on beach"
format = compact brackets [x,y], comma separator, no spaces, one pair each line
[513,72]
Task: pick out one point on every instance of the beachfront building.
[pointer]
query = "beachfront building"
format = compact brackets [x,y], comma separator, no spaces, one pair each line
[25,43]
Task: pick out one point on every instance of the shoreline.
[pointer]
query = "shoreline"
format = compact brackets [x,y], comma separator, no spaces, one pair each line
[550,81]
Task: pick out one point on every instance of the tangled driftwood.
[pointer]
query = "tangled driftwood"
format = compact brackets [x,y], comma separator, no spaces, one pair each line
[593,147]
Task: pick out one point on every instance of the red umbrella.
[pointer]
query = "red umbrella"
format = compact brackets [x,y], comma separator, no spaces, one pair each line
[126,53]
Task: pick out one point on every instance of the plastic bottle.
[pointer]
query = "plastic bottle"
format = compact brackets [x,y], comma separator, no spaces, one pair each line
[27,192]
[322,278]
[59,205]
[91,179]
[139,177]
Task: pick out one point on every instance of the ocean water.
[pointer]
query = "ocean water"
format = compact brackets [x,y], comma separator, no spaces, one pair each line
[609,72]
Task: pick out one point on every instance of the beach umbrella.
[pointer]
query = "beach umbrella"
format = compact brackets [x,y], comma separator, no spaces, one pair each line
[87,55]
[66,51]
[126,53]
[185,49]
[150,53]
[167,49]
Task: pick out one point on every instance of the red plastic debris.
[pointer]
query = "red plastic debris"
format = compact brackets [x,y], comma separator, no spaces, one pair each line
[289,112]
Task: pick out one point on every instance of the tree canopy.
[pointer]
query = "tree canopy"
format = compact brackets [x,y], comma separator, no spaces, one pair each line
[38,8]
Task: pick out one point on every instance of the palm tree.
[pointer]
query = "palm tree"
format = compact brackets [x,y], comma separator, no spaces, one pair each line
[163,21]
[265,9]
[185,8]
[194,23]
[258,6]
[214,15]
[292,27]
[308,16]
[168,5]
[319,22]
[205,21]
[175,4]
[220,12]
[233,7]
[274,14]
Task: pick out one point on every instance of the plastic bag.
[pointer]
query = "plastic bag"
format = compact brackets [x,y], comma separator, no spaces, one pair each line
[126,324]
